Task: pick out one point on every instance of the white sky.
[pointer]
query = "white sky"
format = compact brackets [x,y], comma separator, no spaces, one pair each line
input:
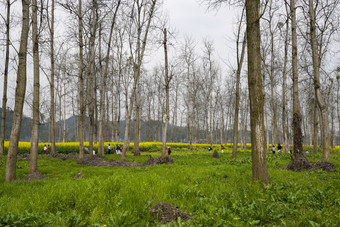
[192,19]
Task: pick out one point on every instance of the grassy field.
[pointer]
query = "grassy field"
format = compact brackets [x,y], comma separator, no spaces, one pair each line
[215,192]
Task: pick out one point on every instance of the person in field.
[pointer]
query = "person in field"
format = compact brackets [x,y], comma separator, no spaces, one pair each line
[210,149]
[118,149]
[109,149]
[279,147]
[222,148]
[273,149]
[45,149]
[169,151]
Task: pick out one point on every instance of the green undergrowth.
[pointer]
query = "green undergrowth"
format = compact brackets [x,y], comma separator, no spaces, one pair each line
[215,192]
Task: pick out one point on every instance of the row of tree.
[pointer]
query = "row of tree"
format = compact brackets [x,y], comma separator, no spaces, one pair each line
[98,72]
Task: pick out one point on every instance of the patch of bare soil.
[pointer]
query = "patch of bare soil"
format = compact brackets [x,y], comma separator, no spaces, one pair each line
[158,161]
[300,166]
[215,154]
[55,155]
[34,176]
[98,160]
[25,157]
[165,212]
[325,166]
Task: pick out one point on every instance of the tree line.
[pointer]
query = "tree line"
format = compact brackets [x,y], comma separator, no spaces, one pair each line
[97,68]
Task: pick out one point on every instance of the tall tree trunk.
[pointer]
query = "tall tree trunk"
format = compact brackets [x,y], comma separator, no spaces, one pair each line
[92,76]
[266,128]
[238,79]
[272,78]
[4,97]
[35,127]
[333,129]
[338,105]
[315,126]
[137,67]
[75,120]
[59,90]
[64,117]
[167,84]
[174,116]
[136,151]
[298,159]
[284,78]
[256,97]
[102,86]
[52,112]
[81,83]
[95,108]
[320,99]
[19,96]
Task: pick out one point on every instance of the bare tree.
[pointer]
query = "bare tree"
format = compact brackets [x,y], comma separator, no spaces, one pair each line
[322,103]
[284,77]
[92,74]
[103,82]
[36,104]
[238,79]
[140,47]
[259,158]
[52,111]
[81,82]
[4,97]
[298,158]
[167,85]
[19,96]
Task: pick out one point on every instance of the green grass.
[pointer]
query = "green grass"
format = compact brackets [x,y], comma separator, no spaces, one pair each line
[216,192]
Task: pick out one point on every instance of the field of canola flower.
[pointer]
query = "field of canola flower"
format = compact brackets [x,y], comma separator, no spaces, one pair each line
[66,148]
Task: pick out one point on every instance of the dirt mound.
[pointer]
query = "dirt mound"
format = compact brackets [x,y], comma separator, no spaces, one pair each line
[34,176]
[98,160]
[301,166]
[165,212]
[325,166]
[158,161]
[25,157]
[72,155]
[95,160]
[55,155]
[114,163]
[215,154]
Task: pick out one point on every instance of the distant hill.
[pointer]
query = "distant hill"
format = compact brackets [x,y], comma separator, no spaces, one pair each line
[150,131]
[26,129]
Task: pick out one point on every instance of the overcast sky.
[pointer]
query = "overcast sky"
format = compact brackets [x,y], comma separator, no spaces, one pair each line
[189,18]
